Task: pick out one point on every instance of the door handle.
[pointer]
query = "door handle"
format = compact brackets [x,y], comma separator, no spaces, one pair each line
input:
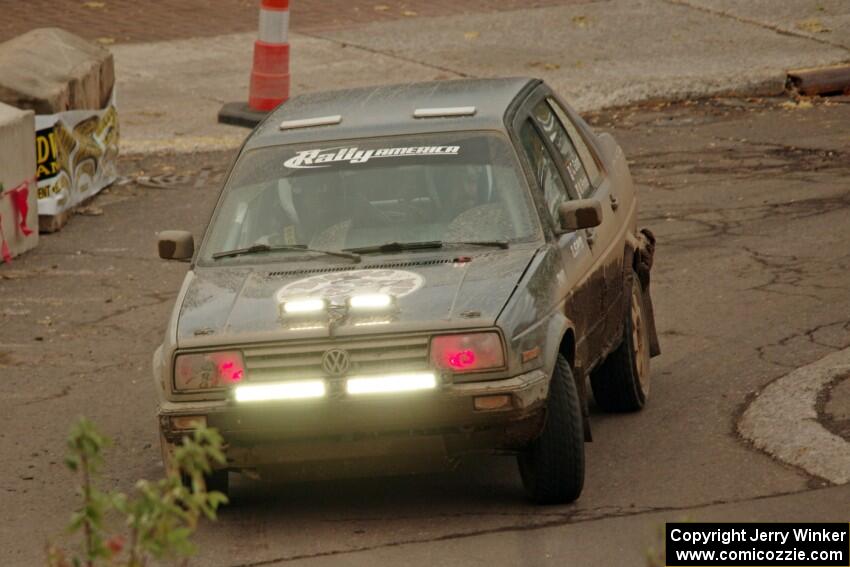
[615,203]
[590,234]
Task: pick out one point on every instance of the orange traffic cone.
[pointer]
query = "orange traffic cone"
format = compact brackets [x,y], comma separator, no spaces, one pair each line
[270,71]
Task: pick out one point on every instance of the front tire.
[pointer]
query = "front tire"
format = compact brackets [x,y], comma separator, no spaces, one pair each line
[552,466]
[621,383]
[216,481]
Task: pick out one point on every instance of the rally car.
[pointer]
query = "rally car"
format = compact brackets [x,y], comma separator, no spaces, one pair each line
[395,277]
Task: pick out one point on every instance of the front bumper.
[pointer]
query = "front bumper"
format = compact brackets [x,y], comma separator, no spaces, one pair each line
[346,436]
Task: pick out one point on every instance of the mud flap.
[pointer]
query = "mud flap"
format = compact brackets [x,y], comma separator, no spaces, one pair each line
[643,266]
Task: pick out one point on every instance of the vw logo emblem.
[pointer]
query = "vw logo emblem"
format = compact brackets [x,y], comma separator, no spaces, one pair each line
[336,362]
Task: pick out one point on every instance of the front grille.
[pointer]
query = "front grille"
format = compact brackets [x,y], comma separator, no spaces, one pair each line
[304,361]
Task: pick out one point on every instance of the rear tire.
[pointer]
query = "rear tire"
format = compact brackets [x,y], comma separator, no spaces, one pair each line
[552,466]
[621,383]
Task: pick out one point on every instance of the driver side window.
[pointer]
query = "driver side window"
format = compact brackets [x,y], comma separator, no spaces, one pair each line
[545,170]
[554,130]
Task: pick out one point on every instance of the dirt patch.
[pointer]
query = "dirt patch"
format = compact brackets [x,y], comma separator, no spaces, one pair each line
[833,407]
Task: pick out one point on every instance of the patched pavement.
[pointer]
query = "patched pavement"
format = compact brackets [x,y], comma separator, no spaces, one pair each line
[749,200]
[787,419]
[834,407]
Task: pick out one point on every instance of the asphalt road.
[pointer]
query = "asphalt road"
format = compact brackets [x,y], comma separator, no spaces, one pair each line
[749,201]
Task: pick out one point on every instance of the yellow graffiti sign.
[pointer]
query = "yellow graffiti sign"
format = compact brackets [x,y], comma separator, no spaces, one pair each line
[46,154]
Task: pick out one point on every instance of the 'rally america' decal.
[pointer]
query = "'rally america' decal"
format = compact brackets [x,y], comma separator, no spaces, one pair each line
[324,158]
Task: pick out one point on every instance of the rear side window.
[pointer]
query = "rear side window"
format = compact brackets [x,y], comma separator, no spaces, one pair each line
[545,170]
[556,133]
[584,153]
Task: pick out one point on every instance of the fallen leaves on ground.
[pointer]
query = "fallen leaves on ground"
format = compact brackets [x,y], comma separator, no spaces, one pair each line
[581,21]
[470,35]
[797,104]
[812,25]
[89,211]
[544,65]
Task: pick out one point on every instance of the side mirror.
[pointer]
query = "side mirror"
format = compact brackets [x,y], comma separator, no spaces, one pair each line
[176,245]
[578,214]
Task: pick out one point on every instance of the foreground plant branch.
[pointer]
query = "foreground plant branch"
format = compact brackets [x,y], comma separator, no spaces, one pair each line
[159,517]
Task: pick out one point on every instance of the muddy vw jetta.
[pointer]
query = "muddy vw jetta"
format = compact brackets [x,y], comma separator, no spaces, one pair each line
[396,277]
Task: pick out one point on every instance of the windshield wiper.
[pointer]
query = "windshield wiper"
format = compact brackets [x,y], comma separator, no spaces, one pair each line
[257,248]
[396,247]
[402,246]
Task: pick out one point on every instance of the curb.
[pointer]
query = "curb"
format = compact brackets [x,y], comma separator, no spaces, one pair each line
[240,114]
[181,145]
[783,420]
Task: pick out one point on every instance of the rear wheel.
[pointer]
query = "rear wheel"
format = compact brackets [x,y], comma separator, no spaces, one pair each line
[621,383]
[552,466]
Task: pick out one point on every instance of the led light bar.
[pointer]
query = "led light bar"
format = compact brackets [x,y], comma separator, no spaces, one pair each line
[311,122]
[444,112]
[281,391]
[391,383]
[301,306]
[370,301]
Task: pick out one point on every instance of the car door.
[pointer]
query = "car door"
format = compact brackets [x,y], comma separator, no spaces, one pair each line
[578,186]
[586,171]
[550,190]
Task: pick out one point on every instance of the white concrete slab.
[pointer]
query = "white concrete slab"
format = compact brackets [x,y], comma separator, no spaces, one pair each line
[17,172]
[783,420]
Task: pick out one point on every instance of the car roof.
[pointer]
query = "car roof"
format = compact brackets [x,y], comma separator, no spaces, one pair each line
[388,110]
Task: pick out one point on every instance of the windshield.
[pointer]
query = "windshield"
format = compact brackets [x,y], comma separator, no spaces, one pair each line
[441,187]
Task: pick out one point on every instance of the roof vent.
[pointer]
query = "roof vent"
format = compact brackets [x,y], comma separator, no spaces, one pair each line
[310,122]
[444,112]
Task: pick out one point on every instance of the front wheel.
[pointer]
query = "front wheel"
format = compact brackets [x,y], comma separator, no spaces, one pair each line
[216,481]
[621,383]
[552,466]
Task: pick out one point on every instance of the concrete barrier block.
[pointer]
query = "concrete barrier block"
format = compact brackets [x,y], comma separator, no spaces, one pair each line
[51,70]
[18,189]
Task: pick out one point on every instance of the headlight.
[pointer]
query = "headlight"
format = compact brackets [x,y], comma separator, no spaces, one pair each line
[467,352]
[208,370]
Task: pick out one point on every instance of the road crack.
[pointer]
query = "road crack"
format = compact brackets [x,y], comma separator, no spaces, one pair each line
[560,519]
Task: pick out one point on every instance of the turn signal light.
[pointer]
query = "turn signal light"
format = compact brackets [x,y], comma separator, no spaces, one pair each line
[493,402]
[471,352]
[188,422]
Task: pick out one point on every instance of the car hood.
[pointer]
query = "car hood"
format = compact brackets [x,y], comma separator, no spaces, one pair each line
[221,305]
